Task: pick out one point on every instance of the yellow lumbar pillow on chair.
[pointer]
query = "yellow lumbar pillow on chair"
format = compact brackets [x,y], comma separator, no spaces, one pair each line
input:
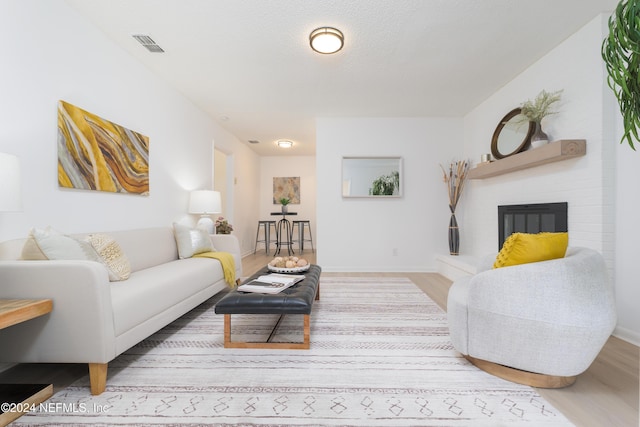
[522,248]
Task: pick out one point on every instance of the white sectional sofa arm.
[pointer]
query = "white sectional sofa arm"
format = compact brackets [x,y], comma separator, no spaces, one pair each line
[72,332]
[229,243]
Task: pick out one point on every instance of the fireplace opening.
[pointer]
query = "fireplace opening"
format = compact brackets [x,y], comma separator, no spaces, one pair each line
[531,218]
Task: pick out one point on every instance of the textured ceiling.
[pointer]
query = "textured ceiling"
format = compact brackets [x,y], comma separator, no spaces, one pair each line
[248,63]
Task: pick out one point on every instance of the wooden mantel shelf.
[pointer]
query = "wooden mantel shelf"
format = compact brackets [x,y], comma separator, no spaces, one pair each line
[556,151]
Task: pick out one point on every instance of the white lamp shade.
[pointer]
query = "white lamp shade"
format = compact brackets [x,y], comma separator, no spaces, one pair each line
[205,202]
[10,194]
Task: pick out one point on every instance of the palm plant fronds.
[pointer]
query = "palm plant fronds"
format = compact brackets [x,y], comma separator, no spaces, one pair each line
[621,55]
[455,179]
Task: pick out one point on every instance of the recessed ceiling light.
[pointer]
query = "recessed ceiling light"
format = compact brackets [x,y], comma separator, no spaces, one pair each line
[326,40]
[284,143]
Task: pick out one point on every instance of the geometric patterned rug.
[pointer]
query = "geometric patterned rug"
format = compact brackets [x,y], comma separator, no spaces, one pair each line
[380,356]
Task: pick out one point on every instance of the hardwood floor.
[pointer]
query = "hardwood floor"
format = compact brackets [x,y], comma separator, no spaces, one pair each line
[607,394]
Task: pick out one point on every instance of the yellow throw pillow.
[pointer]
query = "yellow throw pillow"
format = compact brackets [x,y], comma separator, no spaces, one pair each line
[523,248]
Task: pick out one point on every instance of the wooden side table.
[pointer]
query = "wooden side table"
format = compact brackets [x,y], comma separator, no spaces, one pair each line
[17,399]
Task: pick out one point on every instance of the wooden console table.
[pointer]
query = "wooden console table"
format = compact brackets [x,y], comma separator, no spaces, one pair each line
[17,398]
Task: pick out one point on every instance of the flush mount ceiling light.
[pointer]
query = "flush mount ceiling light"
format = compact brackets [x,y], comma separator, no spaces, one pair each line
[326,40]
[283,143]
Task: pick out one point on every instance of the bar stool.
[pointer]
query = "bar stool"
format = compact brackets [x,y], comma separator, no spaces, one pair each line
[301,225]
[267,233]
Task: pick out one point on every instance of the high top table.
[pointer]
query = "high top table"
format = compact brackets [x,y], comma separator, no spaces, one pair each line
[285,224]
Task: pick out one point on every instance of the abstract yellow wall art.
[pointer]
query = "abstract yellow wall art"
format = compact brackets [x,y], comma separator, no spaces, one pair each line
[96,154]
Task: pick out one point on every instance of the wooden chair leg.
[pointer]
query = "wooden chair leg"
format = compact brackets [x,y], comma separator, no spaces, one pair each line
[98,377]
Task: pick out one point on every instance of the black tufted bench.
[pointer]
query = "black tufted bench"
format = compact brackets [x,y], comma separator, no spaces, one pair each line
[297,299]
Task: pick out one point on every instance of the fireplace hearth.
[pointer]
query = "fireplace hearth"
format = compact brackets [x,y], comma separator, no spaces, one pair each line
[531,218]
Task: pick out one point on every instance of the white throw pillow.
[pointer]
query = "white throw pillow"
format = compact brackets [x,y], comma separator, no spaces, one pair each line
[54,245]
[191,241]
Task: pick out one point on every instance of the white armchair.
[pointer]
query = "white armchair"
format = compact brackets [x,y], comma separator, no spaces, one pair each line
[540,324]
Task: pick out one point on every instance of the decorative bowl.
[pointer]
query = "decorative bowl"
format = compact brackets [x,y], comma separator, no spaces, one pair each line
[288,270]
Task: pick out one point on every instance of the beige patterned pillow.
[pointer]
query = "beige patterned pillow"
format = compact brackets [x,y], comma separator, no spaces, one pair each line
[111,255]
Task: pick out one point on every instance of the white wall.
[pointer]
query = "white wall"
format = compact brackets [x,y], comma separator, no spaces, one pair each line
[627,236]
[289,166]
[574,66]
[303,167]
[51,53]
[243,167]
[361,234]
[586,183]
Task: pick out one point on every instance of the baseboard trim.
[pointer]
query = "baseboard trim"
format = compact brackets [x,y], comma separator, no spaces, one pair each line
[632,337]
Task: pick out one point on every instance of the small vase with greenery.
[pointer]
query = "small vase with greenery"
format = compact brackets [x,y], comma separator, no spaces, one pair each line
[536,110]
[284,202]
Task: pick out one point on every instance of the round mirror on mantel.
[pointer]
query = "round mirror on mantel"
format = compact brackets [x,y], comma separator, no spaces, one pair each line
[511,135]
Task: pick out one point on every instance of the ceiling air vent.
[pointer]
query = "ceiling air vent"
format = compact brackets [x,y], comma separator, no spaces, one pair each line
[148,43]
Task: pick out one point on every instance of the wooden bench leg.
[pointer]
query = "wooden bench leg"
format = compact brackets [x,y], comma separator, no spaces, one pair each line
[318,292]
[305,345]
[227,331]
[98,377]
[307,331]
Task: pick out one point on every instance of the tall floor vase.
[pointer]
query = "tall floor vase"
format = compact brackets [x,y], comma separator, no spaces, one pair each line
[454,235]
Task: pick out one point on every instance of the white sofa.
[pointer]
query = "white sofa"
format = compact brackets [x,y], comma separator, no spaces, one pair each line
[548,320]
[94,320]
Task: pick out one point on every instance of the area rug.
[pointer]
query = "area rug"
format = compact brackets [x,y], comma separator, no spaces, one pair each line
[380,356]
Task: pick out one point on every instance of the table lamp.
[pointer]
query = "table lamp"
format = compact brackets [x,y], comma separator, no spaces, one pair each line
[205,203]
[10,194]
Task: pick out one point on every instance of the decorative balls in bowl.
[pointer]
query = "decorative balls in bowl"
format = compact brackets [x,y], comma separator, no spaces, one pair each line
[288,264]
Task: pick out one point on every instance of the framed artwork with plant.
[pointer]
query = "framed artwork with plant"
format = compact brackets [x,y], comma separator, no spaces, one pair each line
[286,188]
